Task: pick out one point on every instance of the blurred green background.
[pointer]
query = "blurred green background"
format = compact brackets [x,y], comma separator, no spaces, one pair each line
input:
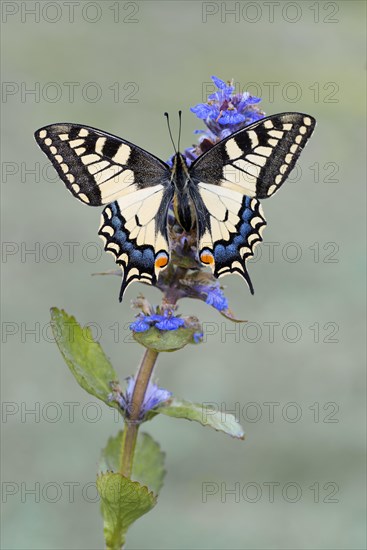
[117,66]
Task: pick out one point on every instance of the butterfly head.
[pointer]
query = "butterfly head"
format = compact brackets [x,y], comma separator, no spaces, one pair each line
[179,172]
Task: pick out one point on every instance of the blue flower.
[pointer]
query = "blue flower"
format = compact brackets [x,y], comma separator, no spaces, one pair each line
[212,294]
[167,321]
[154,396]
[198,337]
[221,85]
[155,318]
[225,112]
[141,324]
[205,111]
[216,299]
[231,117]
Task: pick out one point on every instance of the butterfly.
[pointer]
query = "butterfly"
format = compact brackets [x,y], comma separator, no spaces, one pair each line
[217,195]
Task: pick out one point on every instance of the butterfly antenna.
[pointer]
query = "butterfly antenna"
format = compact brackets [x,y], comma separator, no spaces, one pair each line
[170,133]
[179,128]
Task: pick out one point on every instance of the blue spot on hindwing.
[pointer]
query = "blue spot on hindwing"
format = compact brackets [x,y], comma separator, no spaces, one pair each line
[120,236]
[136,256]
[245,229]
[219,253]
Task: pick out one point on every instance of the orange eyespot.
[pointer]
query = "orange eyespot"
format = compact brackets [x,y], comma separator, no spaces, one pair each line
[161,261]
[207,258]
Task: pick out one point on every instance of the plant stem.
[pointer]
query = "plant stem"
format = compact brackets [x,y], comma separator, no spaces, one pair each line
[133,422]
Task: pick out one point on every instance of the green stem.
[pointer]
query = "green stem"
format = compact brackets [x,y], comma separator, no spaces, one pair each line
[133,422]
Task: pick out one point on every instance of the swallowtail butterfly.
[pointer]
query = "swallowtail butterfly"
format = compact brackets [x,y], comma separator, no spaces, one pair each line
[218,193]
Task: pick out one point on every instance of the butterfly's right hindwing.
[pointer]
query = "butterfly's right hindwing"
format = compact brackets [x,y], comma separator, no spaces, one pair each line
[97,167]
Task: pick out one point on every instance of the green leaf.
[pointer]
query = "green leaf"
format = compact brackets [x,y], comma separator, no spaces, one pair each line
[122,502]
[110,456]
[206,415]
[84,357]
[148,466]
[168,340]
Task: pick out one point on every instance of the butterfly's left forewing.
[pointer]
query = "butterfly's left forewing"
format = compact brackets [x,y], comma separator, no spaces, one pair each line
[228,179]
[99,168]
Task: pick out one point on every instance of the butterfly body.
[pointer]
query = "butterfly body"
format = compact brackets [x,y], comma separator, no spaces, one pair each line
[217,194]
[182,203]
